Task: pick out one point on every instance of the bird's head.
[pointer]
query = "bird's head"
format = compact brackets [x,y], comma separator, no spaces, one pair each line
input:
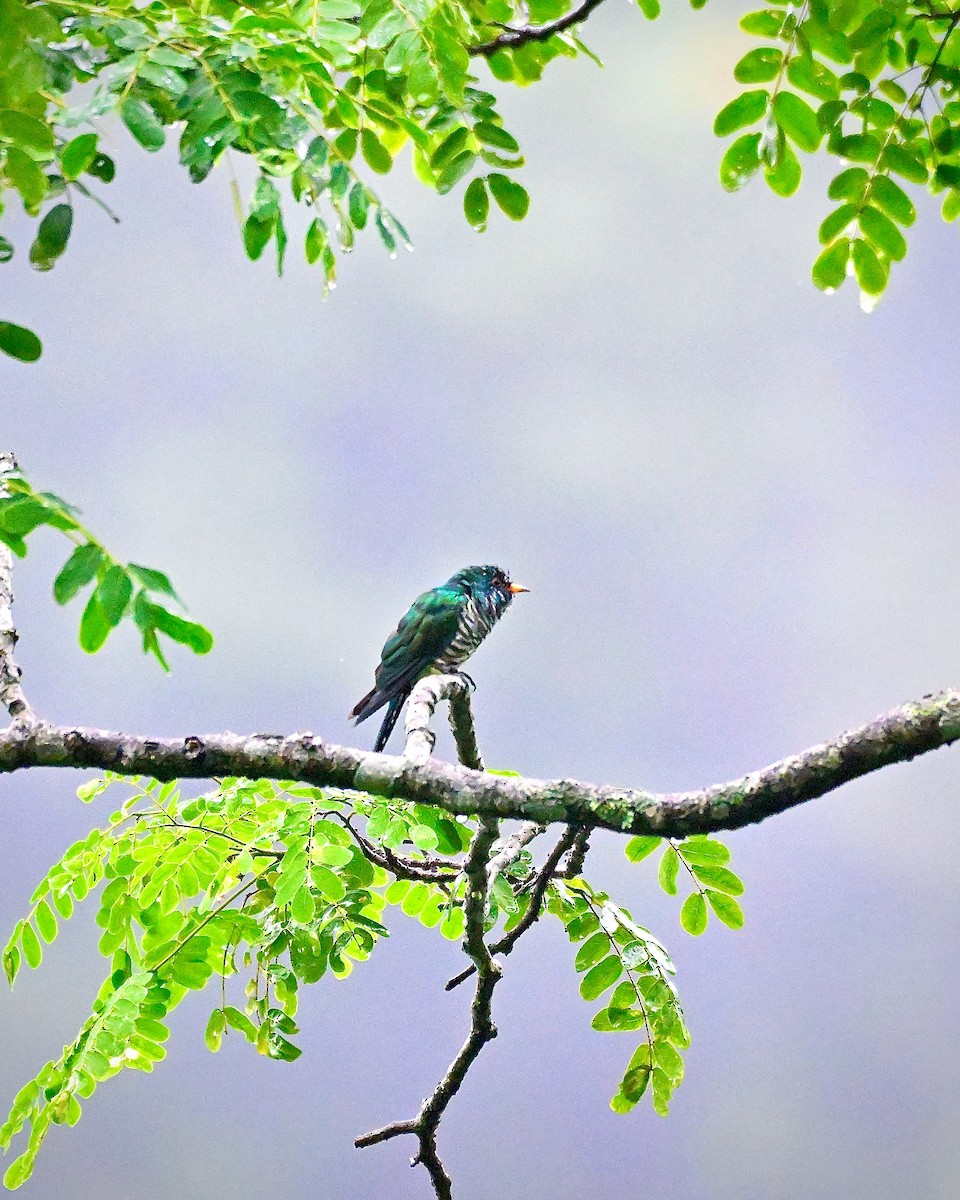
[487,583]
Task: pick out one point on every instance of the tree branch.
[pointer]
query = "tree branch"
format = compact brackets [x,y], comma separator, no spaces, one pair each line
[420,708]
[511,37]
[482,1028]
[12,696]
[897,736]
[508,849]
[578,852]
[569,840]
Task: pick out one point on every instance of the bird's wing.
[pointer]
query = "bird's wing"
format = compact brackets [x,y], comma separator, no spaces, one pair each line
[424,633]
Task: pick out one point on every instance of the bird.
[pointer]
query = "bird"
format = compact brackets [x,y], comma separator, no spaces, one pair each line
[439,631]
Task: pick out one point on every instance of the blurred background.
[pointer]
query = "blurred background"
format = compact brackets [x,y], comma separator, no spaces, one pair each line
[735,502]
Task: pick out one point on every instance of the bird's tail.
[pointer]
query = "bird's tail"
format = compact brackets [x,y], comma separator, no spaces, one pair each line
[373,700]
[366,707]
[393,712]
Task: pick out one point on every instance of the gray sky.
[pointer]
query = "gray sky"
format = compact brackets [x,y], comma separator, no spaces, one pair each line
[735,502]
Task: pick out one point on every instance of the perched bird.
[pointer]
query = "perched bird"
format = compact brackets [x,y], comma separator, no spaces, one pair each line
[441,629]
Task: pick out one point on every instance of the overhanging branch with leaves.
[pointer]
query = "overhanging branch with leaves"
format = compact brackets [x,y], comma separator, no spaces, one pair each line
[323,96]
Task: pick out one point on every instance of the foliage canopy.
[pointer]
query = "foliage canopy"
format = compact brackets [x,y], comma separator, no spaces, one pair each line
[325,94]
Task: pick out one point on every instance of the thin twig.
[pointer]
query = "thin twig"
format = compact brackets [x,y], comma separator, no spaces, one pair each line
[482,1029]
[429,871]
[511,38]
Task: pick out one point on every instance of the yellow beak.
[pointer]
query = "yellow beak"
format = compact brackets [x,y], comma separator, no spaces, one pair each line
[514,588]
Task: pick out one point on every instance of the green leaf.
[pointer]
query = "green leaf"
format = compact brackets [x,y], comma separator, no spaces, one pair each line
[892,199]
[892,90]
[720,878]
[316,240]
[451,927]
[11,960]
[600,977]
[759,66]
[882,233]
[346,143]
[19,343]
[830,269]
[358,206]
[768,22]
[332,855]
[726,908]
[257,232]
[452,146]
[651,8]
[30,944]
[850,184]
[497,136]
[747,109]
[837,222]
[693,914]
[638,848]
[302,908]
[592,950]
[704,849]
[103,168]
[375,154]
[907,163]
[784,177]
[741,162]
[476,203]
[94,626]
[52,236]
[188,633]
[77,155]
[617,1020]
[510,196]
[951,206]
[113,593]
[327,883]
[26,176]
[143,123]
[20,515]
[19,1171]
[79,569]
[153,581]
[667,874]
[662,1091]
[424,837]
[29,133]
[947,175]
[871,273]
[860,147]
[214,1032]
[239,1021]
[454,171]
[797,120]
[813,77]
[46,921]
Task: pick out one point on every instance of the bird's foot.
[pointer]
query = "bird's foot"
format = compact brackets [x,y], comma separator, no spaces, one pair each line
[467,679]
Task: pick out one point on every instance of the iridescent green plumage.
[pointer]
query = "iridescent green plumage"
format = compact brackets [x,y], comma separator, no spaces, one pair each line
[440,630]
